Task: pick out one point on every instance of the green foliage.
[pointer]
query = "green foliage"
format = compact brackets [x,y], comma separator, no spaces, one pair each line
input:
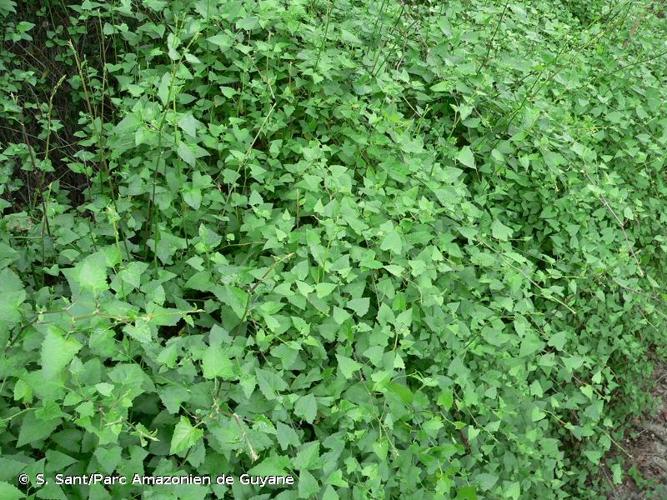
[390,249]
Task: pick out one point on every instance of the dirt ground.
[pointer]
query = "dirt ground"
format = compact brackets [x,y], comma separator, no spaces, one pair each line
[647,445]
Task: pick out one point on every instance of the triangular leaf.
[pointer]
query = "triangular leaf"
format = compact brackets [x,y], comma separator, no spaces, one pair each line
[392,241]
[306,408]
[500,231]
[347,366]
[10,492]
[360,305]
[57,351]
[466,157]
[216,363]
[185,436]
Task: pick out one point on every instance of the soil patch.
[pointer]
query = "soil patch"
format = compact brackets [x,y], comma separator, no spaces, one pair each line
[648,448]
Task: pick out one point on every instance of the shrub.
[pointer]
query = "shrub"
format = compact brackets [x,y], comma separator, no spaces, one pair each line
[389,249]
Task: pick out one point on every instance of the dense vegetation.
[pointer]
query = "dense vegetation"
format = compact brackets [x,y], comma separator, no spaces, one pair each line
[392,249]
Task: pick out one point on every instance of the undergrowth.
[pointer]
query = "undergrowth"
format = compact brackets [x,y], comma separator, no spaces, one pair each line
[392,249]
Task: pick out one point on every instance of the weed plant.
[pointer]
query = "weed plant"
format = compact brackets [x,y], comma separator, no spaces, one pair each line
[392,249]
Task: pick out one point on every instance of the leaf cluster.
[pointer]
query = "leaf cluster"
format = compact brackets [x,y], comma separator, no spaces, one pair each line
[391,249]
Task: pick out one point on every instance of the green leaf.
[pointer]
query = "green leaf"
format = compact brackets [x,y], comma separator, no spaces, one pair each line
[308,456]
[466,493]
[444,86]
[486,481]
[392,241]
[573,363]
[395,270]
[536,414]
[104,388]
[306,408]
[173,396]
[500,231]
[308,485]
[216,363]
[513,490]
[57,460]
[287,436]
[404,319]
[140,331]
[9,492]
[340,315]
[9,281]
[558,340]
[446,399]
[91,273]
[359,306]
[336,479]
[247,23]
[330,493]
[269,383]
[617,473]
[385,314]
[274,465]
[163,89]
[185,436]
[304,288]
[466,157]
[236,298]
[35,429]
[324,289]
[131,275]
[401,391]
[186,154]
[530,345]
[193,197]
[10,308]
[108,458]
[593,455]
[347,366]
[189,124]
[223,41]
[57,351]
